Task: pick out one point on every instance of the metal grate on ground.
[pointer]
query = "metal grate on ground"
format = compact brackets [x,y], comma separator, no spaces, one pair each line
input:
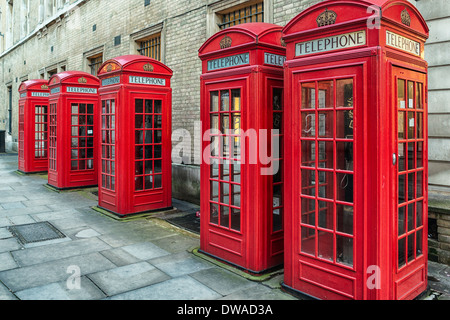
[36,232]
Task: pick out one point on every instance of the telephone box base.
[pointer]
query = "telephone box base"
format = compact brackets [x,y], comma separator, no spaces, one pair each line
[297,294]
[23,173]
[247,271]
[304,296]
[56,189]
[134,216]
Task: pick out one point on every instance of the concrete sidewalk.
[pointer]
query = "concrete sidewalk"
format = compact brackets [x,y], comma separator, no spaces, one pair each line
[145,259]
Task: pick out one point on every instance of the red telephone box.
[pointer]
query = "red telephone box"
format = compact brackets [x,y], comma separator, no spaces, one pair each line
[241,111]
[136,126]
[73,107]
[356,151]
[33,126]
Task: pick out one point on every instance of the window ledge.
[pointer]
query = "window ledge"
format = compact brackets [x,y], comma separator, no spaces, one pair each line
[439,203]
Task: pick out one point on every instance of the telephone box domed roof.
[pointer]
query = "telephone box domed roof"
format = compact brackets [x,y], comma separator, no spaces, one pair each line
[256,33]
[35,84]
[335,13]
[73,77]
[133,63]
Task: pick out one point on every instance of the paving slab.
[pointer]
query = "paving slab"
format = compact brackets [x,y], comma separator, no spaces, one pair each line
[177,243]
[124,237]
[258,292]
[25,211]
[41,200]
[53,271]
[180,264]
[51,215]
[22,219]
[10,244]
[5,294]
[145,250]
[4,222]
[119,257]
[70,223]
[7,262]
[5,234]
[61,291]
[182,288]
[127,278]
[222,281]
[13,198]
[58,251]
[12,205]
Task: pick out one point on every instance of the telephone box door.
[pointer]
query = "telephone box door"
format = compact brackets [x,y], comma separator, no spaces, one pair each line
[226,228]
[327,200]
[411,171]
[82,142]
[107,150]
[275,229]
[151,126]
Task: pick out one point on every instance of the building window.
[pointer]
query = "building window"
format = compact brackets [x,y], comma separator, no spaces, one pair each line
[249,13]
[95,63]
[52,72]
[151,47]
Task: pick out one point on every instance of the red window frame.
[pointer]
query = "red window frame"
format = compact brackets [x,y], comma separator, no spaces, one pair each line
[327,224]
[225,158]
[52,136]
[21,131]
[41,132]
[411,169]
[148,146]
[108,143]
[82,136]
[277,189]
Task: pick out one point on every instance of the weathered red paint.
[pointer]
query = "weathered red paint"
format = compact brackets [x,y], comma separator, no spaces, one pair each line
[135,135]
[241,217]
[73,104]
[351,123]
[33,126]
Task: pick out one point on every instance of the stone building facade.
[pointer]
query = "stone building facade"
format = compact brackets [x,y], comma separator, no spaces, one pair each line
[41,37]
[437,48]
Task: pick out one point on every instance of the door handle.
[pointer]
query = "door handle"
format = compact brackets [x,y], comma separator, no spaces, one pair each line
[394,159]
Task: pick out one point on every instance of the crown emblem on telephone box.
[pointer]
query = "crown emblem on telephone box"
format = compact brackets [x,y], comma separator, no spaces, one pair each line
[82,80]
[148,67]
[406,18]
[326,18]
[225,42]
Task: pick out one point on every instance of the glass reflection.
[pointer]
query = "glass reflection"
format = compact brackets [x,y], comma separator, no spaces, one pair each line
[308,95]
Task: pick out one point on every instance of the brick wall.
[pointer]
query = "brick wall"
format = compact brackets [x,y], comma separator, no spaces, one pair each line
[64,42]
[439,229]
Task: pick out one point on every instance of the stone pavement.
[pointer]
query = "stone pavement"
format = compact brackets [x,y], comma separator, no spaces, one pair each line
[102,258]
[134,260]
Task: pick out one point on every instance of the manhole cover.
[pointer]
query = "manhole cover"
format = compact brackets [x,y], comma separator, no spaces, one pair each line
[36,232]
